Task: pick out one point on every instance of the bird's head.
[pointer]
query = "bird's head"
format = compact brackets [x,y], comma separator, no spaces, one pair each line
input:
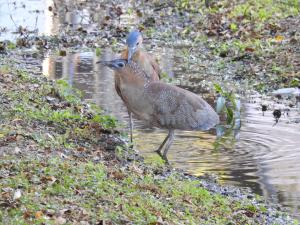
[133,42]
[115,64]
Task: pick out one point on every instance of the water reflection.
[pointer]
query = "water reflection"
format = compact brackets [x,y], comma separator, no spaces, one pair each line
[53,17]
[34,16]
[260,156]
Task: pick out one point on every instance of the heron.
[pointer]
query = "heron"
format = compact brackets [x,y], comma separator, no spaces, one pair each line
[134,51]
[159,104]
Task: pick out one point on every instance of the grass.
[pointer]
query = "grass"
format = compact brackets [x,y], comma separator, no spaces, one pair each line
[95,192]
[265,11]
[54,106]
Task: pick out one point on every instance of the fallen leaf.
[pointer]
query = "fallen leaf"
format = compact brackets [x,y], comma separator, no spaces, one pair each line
[279,38]
[117,175]
[38,214]
[26,215]
[249,49]
[50,179]
[81,149]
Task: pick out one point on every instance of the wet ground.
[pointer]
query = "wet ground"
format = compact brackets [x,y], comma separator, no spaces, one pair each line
[260,156]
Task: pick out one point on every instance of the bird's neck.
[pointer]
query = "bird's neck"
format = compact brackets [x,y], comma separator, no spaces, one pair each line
[137,54]
[138,72]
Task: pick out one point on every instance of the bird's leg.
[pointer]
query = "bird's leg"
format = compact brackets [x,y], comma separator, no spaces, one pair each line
[163,143]
[130,126]
[169,143]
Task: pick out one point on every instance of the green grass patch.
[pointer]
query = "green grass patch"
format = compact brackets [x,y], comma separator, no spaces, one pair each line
[154,160]
[265,10]
[55,107]
[71,189]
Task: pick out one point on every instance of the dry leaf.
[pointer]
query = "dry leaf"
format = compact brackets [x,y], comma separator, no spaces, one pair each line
[279,38]
[50,179]
[38,214]
[80,149]
[26,215]
[249,49]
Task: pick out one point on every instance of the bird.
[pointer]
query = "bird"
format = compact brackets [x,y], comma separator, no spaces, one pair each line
[134,51]
[159,104]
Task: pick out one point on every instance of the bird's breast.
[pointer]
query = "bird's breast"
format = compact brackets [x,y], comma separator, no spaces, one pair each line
[136,101]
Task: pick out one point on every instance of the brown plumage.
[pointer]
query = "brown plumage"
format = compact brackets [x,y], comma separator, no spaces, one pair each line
[135,53]
[161,105]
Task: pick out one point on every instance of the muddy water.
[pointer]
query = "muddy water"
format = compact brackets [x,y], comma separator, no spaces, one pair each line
[260,156]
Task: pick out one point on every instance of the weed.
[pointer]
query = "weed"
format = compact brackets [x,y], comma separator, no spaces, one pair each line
[67,92]
[155,161]
[98,52]
[232,105]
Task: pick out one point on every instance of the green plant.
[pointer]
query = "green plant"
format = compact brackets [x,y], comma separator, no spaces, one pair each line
[295,82]
[230,108]
[98,51]
[67,92]
[11,45]
[233,27]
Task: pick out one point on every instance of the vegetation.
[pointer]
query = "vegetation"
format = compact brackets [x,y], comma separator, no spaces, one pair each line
[252,32]
[54,106]
[60,191]
[66,179]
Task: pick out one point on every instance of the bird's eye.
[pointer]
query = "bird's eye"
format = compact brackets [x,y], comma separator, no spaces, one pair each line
[137,43]
[120,64]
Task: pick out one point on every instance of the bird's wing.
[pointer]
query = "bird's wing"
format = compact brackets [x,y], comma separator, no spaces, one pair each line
[176,108]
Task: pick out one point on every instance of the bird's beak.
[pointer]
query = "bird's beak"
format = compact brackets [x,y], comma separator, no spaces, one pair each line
[114,64]
[102,62]
[131,51]
[110,64]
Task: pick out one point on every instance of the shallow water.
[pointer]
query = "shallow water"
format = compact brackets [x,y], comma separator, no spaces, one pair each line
[32,15]
[262,156]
